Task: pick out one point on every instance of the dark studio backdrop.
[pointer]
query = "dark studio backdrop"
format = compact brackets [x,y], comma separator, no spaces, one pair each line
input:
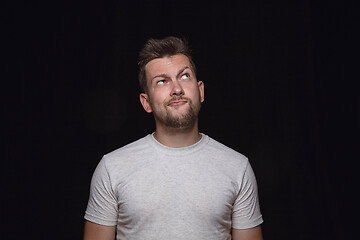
[279,88]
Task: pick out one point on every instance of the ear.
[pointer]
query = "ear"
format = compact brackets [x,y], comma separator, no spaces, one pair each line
[201,89]
[145,102]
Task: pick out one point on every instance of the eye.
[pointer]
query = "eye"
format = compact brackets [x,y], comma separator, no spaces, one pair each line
[160,82]
[185,76]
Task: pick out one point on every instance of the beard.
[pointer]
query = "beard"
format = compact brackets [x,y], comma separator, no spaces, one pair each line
[183,121]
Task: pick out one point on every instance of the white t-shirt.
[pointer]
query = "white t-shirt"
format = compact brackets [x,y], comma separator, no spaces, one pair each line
[151,191]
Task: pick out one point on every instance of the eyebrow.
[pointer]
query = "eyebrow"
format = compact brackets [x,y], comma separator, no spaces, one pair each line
[164,75]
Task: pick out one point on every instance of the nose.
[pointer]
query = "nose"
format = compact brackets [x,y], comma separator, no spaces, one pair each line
[177,89]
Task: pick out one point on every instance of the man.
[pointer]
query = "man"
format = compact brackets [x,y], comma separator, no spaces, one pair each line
[175,183]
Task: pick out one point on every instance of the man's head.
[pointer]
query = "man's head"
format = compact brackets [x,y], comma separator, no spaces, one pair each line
[171,90]
[159,48]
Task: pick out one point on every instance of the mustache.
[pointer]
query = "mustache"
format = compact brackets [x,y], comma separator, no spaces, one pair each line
[176,98]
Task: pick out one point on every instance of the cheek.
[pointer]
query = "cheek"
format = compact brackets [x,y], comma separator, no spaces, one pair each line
[158,98]
[194,94]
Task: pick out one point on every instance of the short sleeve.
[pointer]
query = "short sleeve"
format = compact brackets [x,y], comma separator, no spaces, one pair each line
[102,205]
[246,210]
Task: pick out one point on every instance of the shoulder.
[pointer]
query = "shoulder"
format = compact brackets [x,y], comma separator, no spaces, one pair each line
[228,162]
[139,145]
[222,150]
[125,160]
[128,153]
[225,158]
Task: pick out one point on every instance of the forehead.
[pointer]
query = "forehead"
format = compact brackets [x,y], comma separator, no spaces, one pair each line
[166,65]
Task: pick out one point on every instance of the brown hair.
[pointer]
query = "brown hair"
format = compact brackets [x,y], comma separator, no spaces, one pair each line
[159,48]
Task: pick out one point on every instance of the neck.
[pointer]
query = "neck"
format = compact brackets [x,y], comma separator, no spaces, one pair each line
[177,138]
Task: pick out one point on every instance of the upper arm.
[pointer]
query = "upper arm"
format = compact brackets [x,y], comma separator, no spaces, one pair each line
[102,206]
[95,231]
[246,208]
[247,234]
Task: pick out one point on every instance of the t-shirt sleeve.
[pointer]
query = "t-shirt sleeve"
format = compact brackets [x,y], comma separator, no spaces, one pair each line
[246,210]
[102,206]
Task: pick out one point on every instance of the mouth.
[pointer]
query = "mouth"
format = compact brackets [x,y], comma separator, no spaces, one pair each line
[177,103]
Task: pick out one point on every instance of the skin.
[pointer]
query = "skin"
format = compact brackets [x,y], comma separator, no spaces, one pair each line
[173,92]
[95,231]
[172,78]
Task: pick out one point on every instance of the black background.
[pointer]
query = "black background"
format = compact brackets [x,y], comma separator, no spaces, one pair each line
[279,87]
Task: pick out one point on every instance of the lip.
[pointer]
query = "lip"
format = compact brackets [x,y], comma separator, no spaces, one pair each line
[177,103]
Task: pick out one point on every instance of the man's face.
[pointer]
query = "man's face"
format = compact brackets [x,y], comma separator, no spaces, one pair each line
[174,95]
